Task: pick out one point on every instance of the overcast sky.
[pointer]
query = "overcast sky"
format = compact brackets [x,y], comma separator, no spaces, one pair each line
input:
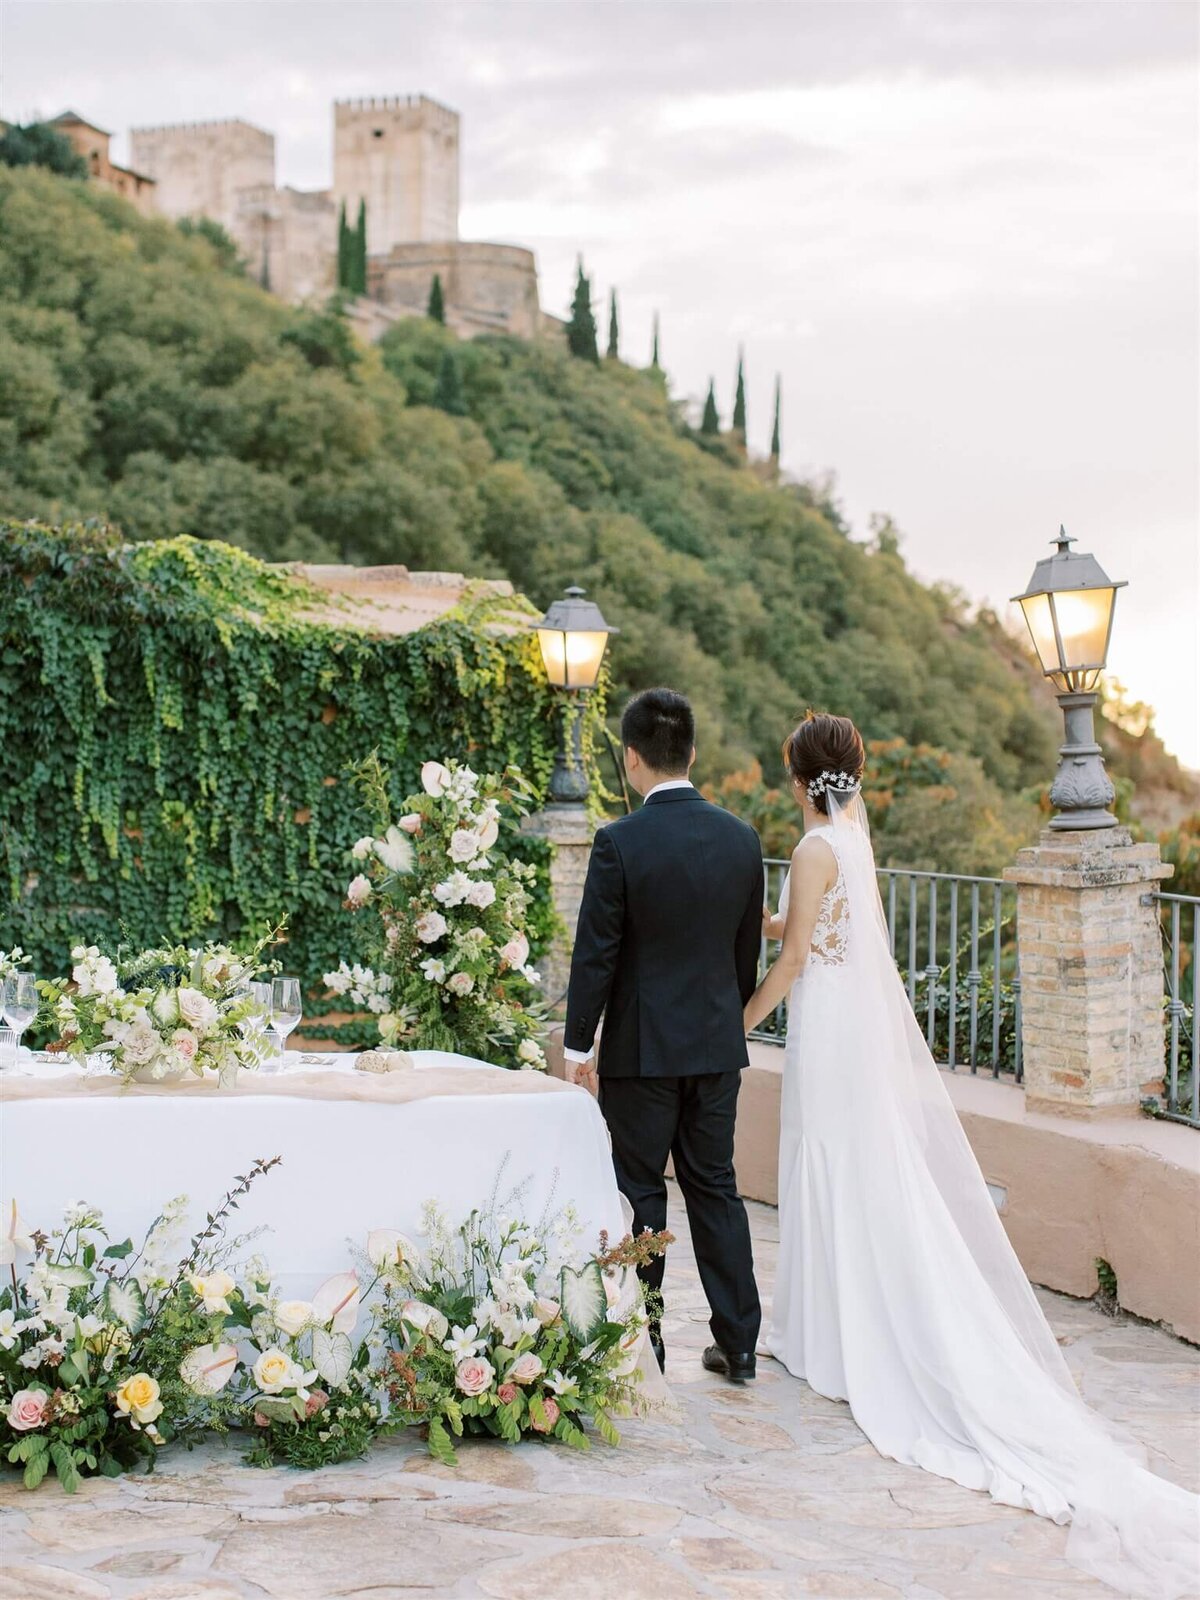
[966,234]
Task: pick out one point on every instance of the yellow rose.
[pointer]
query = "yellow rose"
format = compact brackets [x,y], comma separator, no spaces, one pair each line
[273,1371]
[213,1290]
[138,1398]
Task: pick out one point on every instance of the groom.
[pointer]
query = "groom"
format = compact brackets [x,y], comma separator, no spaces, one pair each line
[667,949]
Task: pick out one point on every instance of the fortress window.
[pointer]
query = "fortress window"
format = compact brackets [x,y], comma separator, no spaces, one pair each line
[377,133]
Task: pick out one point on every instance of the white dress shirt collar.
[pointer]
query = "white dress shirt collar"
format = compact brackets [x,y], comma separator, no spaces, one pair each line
[671,783]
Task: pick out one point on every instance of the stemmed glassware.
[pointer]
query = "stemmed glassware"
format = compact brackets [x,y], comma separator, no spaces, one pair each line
[20,1006]
[286,1006]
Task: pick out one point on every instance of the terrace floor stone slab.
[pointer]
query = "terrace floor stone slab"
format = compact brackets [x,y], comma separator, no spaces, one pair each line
[763,1493]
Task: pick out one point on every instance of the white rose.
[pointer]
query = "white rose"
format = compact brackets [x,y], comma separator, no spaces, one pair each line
[104,977]
[527,1050]
[460,983]
[434,779]
[434,971]
[274,1371]
[293,1316]
[431,926]
[516,951]
[453,890]
[395,851]
[481,895]
[141,1045]
[359,891]
[525,1368]
[196,1009]
[361,848]
[464,845]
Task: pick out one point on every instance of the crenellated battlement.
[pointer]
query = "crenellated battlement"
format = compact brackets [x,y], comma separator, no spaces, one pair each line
[212,126]
[393,102]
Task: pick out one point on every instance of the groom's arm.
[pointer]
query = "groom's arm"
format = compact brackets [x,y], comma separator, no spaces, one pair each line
[749,934]
[597,947]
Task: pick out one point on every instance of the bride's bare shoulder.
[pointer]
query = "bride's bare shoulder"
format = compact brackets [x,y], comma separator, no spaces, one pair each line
[814,861]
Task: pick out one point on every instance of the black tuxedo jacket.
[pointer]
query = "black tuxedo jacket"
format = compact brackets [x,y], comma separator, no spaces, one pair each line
[668,940]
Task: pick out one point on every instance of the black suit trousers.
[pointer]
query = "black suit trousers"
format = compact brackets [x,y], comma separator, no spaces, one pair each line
[690,1119]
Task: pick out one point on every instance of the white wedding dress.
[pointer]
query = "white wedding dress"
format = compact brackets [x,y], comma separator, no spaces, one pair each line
[897,1289]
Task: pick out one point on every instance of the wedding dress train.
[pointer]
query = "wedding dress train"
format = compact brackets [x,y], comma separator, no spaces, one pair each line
[897,1289]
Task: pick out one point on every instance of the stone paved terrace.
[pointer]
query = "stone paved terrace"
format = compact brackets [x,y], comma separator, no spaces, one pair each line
[766,1493]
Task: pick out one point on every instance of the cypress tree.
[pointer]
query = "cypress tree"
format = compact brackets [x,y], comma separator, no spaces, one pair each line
[775,427]
[739,400]
[448,396]
[343,256]
[359,285]
[710,422]
[581,329]
[654,361]
[612,325]
[436,311]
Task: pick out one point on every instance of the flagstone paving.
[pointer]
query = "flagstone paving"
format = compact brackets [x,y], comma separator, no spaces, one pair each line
[766,1493]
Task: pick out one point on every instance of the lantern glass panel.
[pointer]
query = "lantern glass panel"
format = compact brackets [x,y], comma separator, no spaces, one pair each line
[554,654]
[1083,618]
[1040,619]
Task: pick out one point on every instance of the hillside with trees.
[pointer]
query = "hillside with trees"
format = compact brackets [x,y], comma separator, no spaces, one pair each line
[145,381]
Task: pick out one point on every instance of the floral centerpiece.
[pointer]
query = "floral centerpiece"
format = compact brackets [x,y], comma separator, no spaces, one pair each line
[453,916]
[11,962]
[497,1328]
[162,1014]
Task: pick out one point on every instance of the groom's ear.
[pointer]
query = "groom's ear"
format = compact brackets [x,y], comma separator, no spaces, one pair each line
[692,759]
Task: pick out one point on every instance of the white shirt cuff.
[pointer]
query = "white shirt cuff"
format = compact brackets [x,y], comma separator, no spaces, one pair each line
[578,1055]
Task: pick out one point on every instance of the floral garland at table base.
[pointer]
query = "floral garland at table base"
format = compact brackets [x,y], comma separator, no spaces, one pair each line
[107,1354]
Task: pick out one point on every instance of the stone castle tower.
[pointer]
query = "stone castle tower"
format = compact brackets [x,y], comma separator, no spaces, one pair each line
[400,156]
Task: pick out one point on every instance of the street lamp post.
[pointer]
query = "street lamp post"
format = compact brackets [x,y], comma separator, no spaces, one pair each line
[573,636]
[1068,606]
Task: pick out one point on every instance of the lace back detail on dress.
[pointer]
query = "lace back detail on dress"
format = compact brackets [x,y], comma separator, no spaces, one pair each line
[832,931]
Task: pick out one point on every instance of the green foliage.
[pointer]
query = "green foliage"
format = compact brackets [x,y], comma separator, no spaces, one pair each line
[37,144]
[178,734]
[436,310]
[343,249]
[614,340]
[357,255]
[710,422]
[739,400]
[654,361]
[581,329]
[449,396]
[775,425]
[223,246]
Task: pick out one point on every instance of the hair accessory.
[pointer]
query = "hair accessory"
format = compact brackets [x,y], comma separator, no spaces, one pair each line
[842,782]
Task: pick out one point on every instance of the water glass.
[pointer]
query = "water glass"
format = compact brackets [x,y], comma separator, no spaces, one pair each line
[20,1006]
[286,1007]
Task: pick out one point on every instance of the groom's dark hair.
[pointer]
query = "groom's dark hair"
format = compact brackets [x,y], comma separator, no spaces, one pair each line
[659,725]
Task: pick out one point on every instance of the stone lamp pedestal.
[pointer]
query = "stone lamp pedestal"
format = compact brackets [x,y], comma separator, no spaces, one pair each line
[569,830]
[1090,954]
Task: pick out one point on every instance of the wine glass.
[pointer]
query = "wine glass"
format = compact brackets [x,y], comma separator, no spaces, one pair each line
[286,1007]
[20,1006]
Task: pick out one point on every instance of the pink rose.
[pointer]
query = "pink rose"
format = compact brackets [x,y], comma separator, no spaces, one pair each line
[550,1407]
[359,891]
[26,1409]
[525,1368]
[460,983]
[260,1421]
[184,1044]
[516,951]
[317,1401]
[474,1375]
[434,778]
[410,824]
[430,926]
[506,1393]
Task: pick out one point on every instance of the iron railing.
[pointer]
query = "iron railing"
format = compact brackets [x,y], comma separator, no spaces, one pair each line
[1181,965]
[969,1003]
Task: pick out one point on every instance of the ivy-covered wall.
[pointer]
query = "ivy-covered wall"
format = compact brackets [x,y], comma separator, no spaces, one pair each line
[177,736]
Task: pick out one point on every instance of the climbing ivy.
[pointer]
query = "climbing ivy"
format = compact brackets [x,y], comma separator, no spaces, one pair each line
[178,723]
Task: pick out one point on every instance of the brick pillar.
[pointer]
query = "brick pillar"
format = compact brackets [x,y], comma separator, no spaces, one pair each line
[569,830]
[1090,955]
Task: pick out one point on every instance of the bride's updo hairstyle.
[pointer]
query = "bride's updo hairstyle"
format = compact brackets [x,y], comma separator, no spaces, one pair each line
[824,752]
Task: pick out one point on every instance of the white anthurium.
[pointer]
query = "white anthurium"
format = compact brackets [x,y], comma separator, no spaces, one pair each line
[435,779]
[388,1248]
[395,851]
[15,1239]
[209,1367]
[489,832]
[425,1318]
[335,1304]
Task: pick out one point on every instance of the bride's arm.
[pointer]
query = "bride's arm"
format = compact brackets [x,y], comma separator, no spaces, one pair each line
[814,871]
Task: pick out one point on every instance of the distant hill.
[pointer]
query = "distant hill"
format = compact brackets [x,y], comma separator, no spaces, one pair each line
[144,382]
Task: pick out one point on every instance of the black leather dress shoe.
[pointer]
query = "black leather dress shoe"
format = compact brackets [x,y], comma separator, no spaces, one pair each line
[660,1351]
[736,1365]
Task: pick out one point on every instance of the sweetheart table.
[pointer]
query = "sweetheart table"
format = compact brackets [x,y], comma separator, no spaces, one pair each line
[360,1151]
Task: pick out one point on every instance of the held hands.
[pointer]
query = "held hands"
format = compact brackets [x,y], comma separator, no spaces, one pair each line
[583,1073]
[772,925]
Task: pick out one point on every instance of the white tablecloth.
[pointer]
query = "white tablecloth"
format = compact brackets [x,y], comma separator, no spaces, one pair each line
[347,1166]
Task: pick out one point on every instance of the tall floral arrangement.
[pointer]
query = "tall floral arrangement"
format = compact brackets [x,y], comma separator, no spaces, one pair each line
[167,1012]
[453,907]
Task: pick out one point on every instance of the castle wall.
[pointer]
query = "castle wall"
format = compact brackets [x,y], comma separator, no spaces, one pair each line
[399,155]
[199,167]
[293,233]
[93,145]
[488,288]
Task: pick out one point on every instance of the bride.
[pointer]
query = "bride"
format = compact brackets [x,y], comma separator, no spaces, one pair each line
[897,1289]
